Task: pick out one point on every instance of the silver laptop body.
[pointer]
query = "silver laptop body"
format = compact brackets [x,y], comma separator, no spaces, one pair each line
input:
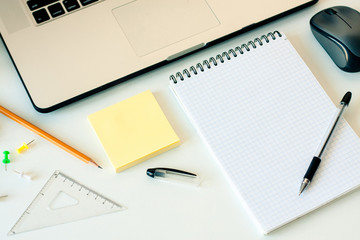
[65,50]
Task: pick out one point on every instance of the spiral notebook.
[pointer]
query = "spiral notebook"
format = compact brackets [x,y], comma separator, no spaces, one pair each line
[263,114]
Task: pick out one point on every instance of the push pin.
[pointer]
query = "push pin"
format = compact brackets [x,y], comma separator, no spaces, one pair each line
[23,175]
[24,147]
[6,160]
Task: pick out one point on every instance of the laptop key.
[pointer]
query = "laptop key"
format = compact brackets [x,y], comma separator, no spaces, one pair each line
[35,4]
[71,5]
[56,10]
[41,15]
[86,2]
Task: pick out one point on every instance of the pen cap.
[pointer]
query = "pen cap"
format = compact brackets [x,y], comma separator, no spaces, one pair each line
[151,172]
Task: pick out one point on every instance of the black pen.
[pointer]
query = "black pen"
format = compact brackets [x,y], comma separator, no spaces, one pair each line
[173,175]
[317,158]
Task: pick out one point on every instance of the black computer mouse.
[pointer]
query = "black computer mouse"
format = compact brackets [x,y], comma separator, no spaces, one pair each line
[338,30]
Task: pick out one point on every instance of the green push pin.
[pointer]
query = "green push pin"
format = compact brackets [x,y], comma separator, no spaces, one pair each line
[6,160]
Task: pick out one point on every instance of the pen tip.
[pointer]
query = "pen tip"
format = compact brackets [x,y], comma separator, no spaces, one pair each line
[301,189]
[100,167]
[304,184]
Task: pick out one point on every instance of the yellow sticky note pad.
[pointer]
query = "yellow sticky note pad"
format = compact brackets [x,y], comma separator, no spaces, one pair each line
[133,130]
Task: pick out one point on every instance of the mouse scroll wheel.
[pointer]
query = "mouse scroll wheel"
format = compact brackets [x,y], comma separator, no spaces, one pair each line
[330,11]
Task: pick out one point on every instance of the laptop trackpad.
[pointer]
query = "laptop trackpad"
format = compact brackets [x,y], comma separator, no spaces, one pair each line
[152,25]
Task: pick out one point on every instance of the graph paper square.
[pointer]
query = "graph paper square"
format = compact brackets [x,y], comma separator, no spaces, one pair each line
[262,115]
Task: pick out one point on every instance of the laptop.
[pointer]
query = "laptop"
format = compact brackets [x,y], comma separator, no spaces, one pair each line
[65,50]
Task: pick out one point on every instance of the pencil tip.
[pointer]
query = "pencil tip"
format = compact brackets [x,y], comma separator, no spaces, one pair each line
[92,162]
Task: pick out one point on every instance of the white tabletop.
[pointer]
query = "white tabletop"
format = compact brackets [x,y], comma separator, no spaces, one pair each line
[158,210]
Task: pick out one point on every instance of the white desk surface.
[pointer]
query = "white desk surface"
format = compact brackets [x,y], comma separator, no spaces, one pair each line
[158,210]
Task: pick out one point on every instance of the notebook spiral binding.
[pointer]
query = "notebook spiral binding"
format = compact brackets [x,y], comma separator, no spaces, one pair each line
[214,61]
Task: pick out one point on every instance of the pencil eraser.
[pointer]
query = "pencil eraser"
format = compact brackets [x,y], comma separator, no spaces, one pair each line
[133,130]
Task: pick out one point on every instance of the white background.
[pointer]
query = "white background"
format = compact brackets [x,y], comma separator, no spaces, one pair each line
[158,210]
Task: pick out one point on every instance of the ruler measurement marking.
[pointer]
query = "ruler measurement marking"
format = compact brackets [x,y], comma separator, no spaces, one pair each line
[90,191]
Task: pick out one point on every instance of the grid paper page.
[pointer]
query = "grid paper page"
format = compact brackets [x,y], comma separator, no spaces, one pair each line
[263,115]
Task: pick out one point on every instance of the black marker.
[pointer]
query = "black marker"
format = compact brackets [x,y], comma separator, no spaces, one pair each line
[317,158]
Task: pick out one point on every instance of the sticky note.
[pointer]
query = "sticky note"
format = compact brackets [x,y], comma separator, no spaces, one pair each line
[133,130]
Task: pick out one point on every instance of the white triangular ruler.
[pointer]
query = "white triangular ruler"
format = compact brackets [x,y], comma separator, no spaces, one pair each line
[63,200]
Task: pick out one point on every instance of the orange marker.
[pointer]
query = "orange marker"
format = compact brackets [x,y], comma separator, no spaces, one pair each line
[48,137]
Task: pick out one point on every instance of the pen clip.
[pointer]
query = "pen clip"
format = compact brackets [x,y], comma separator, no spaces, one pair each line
[177,171]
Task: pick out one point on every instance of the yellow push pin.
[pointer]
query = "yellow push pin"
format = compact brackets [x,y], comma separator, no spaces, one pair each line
[24,147]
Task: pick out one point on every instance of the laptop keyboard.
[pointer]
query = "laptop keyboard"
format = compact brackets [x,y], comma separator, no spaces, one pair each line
[45,10]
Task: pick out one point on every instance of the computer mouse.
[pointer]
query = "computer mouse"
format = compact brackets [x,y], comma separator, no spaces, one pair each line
[338,30]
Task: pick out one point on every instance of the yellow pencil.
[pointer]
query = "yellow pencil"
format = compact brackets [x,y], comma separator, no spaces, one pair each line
[48,137]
